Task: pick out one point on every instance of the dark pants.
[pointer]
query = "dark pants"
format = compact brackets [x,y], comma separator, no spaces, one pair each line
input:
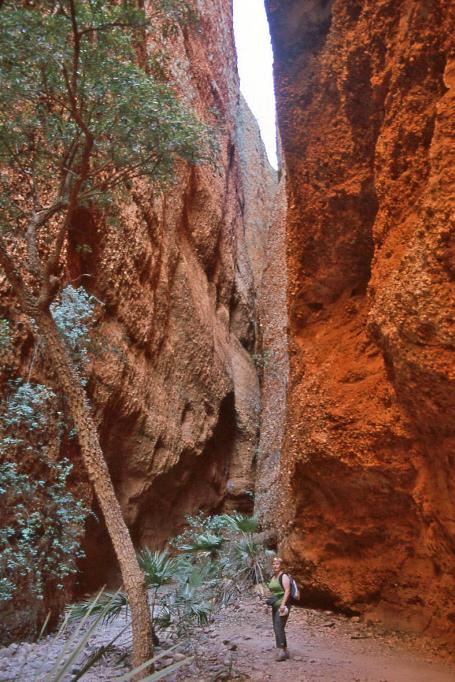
[279,624]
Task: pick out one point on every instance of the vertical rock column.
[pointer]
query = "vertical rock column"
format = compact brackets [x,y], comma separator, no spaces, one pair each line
[264,214]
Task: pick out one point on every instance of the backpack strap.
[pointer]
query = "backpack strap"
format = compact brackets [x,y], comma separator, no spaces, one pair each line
[280,577]
[280,580]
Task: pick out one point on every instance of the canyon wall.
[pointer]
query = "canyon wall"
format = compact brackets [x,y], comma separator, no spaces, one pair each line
[265,213]
[178,396]
[173,381]
[365,94]
[273,367]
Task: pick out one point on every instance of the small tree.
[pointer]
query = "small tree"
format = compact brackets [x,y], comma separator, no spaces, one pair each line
[80,120]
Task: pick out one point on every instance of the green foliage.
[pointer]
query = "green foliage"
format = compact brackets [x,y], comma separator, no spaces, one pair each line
[215,559]
[246,559]
[25,420]
[241,523]
[227,546]
[72,87]
[73,314]
[108,603]
[44,528]
[94,612]
[207,542]
[193,601]
[218,558]
[159,568]
[42,521]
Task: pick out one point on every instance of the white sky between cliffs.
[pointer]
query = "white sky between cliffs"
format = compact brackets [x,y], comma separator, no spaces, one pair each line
[255,60]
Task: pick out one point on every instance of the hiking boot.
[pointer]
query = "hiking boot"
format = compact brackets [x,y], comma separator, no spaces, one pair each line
[282,655]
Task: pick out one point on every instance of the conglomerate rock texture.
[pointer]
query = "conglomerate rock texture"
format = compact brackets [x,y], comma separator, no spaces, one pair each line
[366,107]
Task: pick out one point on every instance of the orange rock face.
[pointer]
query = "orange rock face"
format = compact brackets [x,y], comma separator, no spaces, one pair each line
[366,113]
[178,396]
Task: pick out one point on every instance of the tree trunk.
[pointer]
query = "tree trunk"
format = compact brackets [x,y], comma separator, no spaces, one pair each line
[95,464]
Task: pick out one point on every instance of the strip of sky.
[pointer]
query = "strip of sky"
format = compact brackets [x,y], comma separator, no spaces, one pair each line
[255,62]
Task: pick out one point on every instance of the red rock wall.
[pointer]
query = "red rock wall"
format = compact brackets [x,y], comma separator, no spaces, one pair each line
[178,399]
[174,382]
[366,113]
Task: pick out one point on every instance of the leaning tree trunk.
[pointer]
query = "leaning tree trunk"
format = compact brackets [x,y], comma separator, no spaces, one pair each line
[95,464]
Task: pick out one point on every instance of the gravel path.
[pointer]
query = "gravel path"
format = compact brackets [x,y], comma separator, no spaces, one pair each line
[239,645]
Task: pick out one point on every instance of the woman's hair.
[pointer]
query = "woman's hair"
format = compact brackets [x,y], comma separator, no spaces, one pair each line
[277,558]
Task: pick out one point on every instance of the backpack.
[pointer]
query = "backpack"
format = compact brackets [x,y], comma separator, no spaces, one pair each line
[295,592]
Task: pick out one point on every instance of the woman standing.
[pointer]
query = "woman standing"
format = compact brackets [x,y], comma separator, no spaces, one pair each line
[280,587]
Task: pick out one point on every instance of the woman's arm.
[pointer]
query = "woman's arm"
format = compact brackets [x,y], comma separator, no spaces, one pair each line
[287,591]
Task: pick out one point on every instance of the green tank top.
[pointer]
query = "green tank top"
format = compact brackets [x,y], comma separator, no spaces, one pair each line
[276,590]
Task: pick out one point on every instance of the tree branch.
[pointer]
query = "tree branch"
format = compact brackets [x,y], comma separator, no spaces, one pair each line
[128,173]
[38,220]
[84,166]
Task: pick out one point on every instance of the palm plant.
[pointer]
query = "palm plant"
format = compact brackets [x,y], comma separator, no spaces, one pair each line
[207,543]
[109,604]
[158,566]
[241,523]
[194,598]
[248,560]
[245,557]
[104,607]
[159,570]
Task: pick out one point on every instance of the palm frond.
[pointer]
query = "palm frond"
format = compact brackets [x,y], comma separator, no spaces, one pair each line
[76,643]
[200,613]
[158,566]
[163,619]
[109,604]
[205,542]
[241,522]
[97,656]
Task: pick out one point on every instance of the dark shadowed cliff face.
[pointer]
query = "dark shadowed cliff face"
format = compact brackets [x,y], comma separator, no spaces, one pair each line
[366,112]
[265,213]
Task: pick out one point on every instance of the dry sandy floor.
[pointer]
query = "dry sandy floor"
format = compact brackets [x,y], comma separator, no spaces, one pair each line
[239,645]
[324,648]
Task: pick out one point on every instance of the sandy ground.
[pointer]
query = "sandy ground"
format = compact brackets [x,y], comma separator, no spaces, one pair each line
[239,645]
[325,647]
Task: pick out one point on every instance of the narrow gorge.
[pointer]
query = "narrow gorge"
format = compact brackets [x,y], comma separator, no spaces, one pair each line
[281,343]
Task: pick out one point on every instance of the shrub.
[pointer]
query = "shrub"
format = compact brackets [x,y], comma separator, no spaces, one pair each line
[42,521]
[73,313]
[215,559]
